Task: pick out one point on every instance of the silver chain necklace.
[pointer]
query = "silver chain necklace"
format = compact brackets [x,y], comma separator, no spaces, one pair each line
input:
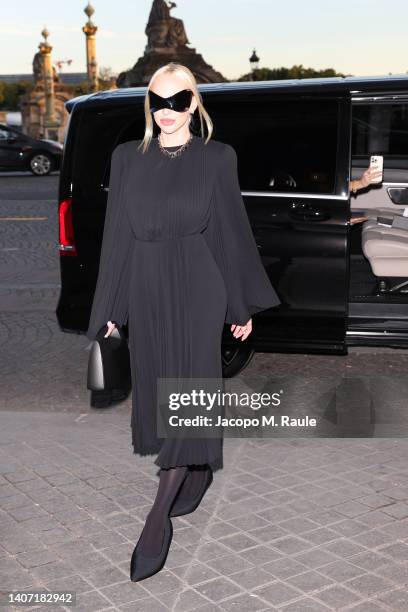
[178,151]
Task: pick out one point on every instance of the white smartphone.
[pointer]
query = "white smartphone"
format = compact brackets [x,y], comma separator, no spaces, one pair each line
[376,164]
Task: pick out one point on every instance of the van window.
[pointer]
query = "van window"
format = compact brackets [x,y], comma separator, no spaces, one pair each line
[282,145]
[99,131]
[380,129]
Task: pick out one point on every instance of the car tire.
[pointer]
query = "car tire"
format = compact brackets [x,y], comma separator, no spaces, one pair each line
[235,359]
[41,164]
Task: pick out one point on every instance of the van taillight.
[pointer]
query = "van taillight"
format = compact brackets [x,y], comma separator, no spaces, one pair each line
[66,229]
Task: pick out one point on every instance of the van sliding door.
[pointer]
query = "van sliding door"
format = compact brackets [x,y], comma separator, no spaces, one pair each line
[293,164]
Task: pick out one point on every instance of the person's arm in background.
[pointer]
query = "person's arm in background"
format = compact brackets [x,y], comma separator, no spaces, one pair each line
[355,185]
[365,179]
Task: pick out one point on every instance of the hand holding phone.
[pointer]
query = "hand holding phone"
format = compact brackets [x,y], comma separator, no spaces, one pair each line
[376,168]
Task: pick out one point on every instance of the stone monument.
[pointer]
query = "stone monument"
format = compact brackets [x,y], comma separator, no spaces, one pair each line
[43,108]
[167,42]
[90,29]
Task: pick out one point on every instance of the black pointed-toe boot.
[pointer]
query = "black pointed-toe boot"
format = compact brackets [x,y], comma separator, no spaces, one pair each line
[182,506]
[142,567]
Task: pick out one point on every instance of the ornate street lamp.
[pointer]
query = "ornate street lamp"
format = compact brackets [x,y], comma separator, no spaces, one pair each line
[254,62]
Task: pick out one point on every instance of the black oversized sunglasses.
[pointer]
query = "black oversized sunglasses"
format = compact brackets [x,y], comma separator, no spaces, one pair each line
[178,102]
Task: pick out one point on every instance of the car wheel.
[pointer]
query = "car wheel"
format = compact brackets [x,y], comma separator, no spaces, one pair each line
[41,164]
[235,359]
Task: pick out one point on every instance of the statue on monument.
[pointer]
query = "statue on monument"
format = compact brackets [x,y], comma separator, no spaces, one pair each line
[162,29]
[37,67]
[166,41]
[38,62]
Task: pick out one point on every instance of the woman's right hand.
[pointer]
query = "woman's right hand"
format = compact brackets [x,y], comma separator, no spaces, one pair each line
[111,327]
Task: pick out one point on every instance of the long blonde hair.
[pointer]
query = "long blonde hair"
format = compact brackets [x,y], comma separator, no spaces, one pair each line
[187,75]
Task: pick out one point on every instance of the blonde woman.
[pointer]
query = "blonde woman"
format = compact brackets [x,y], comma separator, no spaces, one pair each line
[178,260]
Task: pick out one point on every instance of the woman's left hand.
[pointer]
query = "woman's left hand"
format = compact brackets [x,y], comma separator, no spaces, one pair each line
[242,330]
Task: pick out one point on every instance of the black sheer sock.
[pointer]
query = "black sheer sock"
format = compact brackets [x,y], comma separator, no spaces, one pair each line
[193,483]
[151,539]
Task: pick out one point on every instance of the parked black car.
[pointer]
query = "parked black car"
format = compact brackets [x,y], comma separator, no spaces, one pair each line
[21,152]
[298,144]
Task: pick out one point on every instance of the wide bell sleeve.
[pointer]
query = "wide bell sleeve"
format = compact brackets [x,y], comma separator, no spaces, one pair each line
[111,297]
[230,238]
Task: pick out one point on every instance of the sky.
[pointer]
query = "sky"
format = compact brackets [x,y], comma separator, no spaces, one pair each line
[359,37]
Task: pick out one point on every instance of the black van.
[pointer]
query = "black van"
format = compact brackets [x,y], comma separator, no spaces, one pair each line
[298,144]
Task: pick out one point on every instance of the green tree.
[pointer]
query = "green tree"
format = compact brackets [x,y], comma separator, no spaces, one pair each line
[10,94]
[283,73]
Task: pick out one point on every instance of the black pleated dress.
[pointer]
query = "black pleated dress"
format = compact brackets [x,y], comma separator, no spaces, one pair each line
[178,260]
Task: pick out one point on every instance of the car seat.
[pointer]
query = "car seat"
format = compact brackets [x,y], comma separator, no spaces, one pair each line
[386,249]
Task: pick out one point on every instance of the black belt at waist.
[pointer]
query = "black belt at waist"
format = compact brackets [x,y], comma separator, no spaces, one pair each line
[169,238]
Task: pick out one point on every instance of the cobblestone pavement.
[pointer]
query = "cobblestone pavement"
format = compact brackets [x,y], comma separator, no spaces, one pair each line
[297,525]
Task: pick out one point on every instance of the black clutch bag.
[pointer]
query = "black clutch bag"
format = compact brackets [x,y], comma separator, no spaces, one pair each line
[109,361]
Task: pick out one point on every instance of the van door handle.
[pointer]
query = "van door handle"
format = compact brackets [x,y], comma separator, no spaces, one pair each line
[304,211]
[398,195]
